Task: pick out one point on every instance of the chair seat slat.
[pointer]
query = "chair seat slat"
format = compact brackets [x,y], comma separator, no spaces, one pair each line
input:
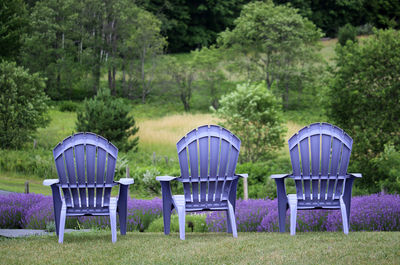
[190,180]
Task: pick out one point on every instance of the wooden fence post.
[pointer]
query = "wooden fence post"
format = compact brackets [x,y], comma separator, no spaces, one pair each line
[245,191]
[26,187]
[128,176]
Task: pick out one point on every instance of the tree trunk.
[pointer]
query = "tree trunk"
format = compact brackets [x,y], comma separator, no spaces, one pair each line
[114,86]
[109,79]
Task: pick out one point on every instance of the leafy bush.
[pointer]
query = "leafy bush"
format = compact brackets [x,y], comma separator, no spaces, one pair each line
[194,223]
[150,182]
[377,212]
[260,185]
[364,100]
[346,33]
[252,113]
[249,215]
[109,117]
[388,166]
[22,105]
[35,211]
[366,29]
[68,106]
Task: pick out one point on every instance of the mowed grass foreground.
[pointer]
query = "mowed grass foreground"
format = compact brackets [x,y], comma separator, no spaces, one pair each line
[208,248]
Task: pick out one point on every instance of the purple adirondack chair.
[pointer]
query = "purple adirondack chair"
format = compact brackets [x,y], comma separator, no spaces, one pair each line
[324,185]
[85,165]
[207,158]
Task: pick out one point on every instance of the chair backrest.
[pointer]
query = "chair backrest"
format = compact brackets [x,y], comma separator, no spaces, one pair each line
[320,155]
[85,165]
[207,158]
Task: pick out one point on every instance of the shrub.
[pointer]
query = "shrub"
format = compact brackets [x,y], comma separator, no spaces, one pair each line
[252,113]
[377,212]
[142,212]
[388,164]
[109,117]
[364,100]
[260,185]
[194,223]
[249,215]
[68,106]
[22,105]
[347,33]
[14,209]
[366,29]
[149,181]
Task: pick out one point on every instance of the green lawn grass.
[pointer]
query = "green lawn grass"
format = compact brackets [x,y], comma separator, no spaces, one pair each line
[205,248]
[15,182]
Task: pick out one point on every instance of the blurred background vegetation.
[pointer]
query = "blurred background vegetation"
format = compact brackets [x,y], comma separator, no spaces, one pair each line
[166,67]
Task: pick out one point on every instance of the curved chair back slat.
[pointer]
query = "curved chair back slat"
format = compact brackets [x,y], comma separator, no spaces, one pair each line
[207,158]
[320,156]
[85,165]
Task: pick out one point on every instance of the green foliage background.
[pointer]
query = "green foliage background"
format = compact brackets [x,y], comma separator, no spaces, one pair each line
[364,100]
[108,117]
[23,105]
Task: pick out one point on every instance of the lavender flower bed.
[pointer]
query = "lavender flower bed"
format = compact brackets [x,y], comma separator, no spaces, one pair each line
[34,211]
[375,212]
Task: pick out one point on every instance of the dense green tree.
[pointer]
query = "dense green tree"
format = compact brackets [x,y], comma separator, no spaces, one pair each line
[383,13]
[279,43]
[253,114]
[72,42]
[193,24]
[109,117]
[330,15]
[207,62]
[182,77]
[13,24]
[147,45]
[347,32]
[22,105]
[51,47]
[365,99]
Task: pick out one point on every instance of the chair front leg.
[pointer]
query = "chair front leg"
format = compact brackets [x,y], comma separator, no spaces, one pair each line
[123,207]
[232,200]
[167,205]
[347,197]
[57,204]
[282,203]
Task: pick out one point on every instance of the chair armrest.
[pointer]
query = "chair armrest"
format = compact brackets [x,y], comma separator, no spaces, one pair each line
[49,182]
[279,176]
[125,181]
[356,175]
[165,178]
[245,176]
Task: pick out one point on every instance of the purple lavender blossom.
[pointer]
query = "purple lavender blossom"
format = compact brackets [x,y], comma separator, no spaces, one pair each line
[377,212]
[14,208]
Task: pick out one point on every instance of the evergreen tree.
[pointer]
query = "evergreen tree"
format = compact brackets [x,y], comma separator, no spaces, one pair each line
[109,117]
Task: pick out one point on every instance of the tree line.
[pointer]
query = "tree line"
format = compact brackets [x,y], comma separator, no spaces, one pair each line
[70,49]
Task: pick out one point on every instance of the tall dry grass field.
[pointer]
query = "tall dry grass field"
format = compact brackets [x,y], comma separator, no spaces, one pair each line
[160,135]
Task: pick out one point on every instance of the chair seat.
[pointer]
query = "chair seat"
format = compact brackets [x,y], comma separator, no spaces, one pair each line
[201,205]
[80,211]
[313,204]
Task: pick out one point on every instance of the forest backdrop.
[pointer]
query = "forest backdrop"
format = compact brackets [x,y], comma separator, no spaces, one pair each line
[71,65]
